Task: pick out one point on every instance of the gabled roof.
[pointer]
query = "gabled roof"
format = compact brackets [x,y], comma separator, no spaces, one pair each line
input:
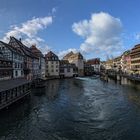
[13,49]
[93,61]
[36,51]
[24,48]
[79,55]
[66,64]
[126,52]
[72,55]
[68,55]
[137,46]
[50,55]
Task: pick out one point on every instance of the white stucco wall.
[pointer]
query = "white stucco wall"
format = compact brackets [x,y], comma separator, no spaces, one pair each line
[52,68]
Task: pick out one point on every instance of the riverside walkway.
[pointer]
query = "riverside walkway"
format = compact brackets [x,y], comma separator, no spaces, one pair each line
[13,90]
[118,76]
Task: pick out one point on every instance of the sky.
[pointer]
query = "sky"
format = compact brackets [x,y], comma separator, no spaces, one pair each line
[96,28]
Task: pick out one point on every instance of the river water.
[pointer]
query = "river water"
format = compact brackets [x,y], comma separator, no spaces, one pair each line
[75,109]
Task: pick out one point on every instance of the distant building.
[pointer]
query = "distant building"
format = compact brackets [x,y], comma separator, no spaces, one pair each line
[102,66]
[6,69]
[67,69]
[126,62]
[77,59]
[16,56]
[52,64]
[95,63]
[41,58]
[109,65]
[31,62]
[117,64]
[88,69]
[135,59]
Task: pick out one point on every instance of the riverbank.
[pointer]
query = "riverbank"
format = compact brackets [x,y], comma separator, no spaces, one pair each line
[118,77]
[13,90]
[16,89]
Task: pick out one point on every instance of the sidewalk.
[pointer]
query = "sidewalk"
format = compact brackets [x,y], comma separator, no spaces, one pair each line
[12,83]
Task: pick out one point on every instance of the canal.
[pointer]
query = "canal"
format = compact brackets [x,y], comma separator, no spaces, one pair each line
[75,109]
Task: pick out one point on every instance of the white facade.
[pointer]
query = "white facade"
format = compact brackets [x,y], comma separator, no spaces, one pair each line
[18,65]
[79,63]
[68,71]
[77,59]
[52,65]
[52,68]
[96,67]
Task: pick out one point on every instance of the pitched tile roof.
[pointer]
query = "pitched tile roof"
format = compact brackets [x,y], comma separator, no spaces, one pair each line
[22,47]
[50,55]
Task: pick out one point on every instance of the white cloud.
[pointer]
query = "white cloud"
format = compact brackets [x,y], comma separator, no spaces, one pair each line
[29,28]
[101,34]
[61,54]
[45,49]
[28,31]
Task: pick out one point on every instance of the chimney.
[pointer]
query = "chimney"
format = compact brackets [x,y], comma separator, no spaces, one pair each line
[20,39]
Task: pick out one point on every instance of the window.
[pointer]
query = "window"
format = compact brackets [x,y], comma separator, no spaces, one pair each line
[15,56]
[62,70]
[16,73]
[68,70]
[15,65]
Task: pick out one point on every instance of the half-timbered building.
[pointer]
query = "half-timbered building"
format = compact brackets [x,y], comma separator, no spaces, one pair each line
[14,55]
[5,68]
[38,53]
[31,62]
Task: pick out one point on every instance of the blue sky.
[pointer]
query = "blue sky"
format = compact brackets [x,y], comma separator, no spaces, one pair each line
[96,28]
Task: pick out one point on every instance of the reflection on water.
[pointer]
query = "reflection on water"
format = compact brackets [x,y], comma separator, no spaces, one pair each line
[52,88]
[76,109]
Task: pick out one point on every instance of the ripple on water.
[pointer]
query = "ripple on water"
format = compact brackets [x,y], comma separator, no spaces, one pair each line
[75,109]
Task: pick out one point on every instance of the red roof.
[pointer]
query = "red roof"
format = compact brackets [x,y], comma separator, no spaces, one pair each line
[51,56]
[93,61]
